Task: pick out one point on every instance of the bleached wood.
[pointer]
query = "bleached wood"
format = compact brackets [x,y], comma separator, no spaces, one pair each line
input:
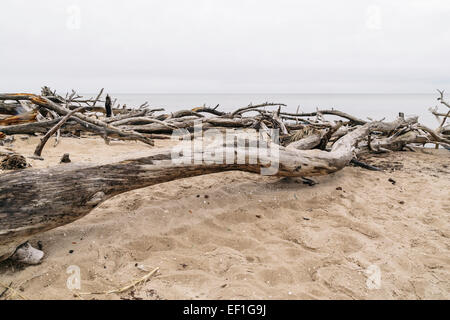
[36,200]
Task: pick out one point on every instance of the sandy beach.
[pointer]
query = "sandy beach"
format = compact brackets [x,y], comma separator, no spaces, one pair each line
[238,235]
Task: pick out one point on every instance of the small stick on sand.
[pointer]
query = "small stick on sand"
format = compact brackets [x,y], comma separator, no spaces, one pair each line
[14,291]
[6,290]
[132,285]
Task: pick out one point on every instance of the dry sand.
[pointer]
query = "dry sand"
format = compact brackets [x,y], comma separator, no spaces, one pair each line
[243,236]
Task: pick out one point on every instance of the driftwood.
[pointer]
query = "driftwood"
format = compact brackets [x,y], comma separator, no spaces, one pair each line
[34,201]
[26,210]
[11,108]
[337,113]
[44,139]
[143,124]
[21,118]
[87,122]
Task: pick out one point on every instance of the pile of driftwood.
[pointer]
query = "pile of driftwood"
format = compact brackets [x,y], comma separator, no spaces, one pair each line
[309,144]
[52,114]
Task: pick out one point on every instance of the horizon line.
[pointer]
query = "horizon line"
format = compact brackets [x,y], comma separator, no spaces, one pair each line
[268,93]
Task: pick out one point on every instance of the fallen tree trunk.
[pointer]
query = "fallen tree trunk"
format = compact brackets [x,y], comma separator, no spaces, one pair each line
[29,128]
[69,127]
[33,201]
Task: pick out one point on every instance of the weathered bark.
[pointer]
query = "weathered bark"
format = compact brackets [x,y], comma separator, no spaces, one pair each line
[142,120]
[42,127]
[101,109]
[251,108]
[184,113]
[213,111]
[307,143]
[397,143]
[131,114]
[29,128]
[337,113]
[21,118]
[34,201]
[11,108]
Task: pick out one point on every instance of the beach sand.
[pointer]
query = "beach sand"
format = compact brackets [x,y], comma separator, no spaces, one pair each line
[238,235]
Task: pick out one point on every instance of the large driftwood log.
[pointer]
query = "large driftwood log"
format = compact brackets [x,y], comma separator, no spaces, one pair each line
[33,201]
[36,200]
[29,128]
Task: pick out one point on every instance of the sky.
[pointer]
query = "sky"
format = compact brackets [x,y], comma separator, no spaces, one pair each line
[225,46]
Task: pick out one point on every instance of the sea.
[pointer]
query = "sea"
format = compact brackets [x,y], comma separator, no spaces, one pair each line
[364,106]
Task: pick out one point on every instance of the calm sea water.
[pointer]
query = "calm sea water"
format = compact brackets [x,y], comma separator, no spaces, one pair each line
[375,106]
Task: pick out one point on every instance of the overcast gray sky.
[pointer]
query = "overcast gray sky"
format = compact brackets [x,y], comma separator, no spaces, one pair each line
[225,46]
